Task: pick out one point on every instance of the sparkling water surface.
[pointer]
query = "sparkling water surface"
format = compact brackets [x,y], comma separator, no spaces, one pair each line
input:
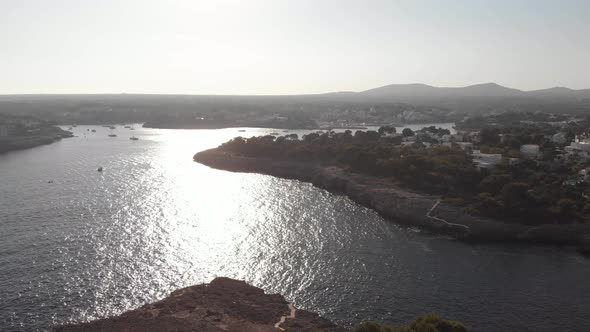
[91,244]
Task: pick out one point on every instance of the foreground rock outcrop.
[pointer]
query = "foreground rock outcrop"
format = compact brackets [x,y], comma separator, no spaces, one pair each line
[222,305]
[401,205]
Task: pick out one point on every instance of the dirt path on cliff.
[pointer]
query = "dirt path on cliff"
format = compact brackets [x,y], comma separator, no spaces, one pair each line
[440,219]
[283,318]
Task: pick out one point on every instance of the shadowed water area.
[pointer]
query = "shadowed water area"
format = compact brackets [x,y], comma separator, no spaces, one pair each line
[94,244]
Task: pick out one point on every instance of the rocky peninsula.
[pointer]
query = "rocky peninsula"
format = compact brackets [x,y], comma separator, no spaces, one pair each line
[398,204]
[222,305]
[18,133]
[231,305]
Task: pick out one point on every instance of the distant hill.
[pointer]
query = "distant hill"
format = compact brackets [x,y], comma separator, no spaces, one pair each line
[419,90]
[558,91]
[391,91]
[416,98]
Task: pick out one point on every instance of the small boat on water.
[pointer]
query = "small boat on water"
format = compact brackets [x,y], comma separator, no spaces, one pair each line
[93,130]
[99,169]
[133,138]
[112,135]
[242,130]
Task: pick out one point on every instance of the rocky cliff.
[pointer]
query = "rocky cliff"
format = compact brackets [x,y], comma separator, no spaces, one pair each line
[399,204]
[222,305]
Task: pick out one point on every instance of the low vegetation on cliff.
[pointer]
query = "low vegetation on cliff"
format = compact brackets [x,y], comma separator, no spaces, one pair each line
[426,323]
[524,192]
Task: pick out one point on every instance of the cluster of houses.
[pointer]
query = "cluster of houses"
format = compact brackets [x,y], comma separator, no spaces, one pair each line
[463,140]
[578,149]
[11,126]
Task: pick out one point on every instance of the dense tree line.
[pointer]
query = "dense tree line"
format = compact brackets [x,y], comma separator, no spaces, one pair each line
[528,191]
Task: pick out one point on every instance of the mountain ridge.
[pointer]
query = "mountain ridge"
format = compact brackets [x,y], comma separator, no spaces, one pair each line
[490,89]
[386,92]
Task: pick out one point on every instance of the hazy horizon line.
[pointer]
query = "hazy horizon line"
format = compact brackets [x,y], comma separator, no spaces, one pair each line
[282,95]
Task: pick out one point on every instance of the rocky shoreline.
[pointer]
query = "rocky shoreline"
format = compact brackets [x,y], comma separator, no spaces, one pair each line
[15,143]
[226,304]
[222,305]
[402,205]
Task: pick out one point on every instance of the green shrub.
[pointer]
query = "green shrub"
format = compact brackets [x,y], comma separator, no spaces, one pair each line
[426,323]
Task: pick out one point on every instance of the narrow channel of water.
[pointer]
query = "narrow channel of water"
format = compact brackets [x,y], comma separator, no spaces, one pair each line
[95,244]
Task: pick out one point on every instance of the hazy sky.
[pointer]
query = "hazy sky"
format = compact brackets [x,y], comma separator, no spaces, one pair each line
[287,47]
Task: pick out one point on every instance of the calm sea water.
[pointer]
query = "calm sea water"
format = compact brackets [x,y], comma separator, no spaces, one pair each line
[93,244]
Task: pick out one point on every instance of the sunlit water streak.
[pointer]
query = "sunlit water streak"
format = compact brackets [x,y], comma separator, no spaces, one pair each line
[96,244]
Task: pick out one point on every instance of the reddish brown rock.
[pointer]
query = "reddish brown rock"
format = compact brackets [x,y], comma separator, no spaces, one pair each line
[222,305]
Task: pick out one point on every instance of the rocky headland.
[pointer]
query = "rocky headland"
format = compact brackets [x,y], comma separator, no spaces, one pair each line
[399,204]
[222,305]
[231,305]
[46,135]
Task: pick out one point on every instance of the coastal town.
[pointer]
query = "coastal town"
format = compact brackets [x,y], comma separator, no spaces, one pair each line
[548,144]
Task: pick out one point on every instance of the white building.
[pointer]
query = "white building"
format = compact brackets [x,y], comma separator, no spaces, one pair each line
[459,136]
[473,137]
[559,138]
[584,175]
[466,146]
[486,160]
[578,149]
[530,151]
